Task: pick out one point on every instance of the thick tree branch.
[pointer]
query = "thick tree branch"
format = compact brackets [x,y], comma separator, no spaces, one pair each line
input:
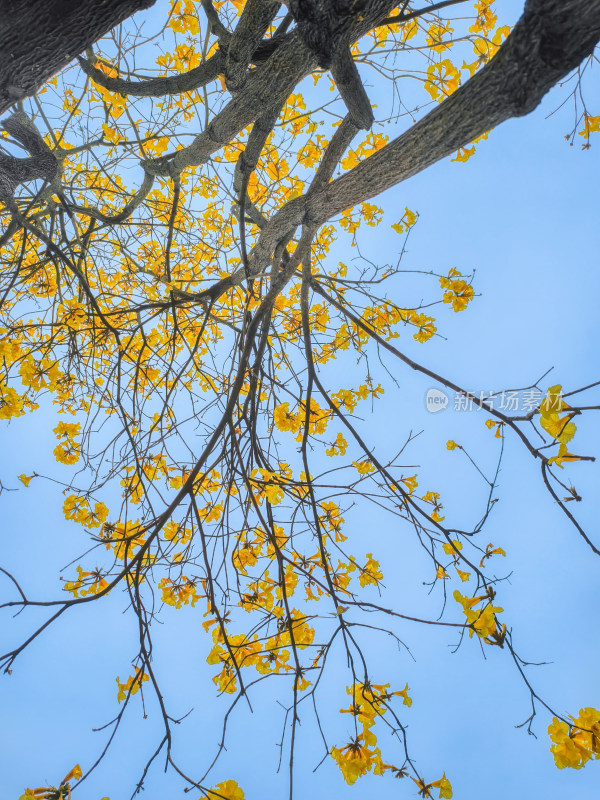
[41,165]
[159,87]
[292,61]
[550,40]
[127,210]
[40,37]
[325,27]
[254,22]
[185,81]
[404,17]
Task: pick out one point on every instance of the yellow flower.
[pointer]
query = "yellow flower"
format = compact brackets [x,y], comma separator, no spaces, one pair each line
[442,79]
[435,34]
[11,403]
[406,223]
[450,549]
[486,19]
[363,467]
[331,519]
[485,624]
[184,18]
[39,374]
[425,325]
[490,551]
[459,293]
[338,447]
[225,681]
[574,746]
[354,760]
[407,701]
[67,430]
[284,419]
[75,508]
[464,153]
[443,784]
[74,773]
[451,445]
[96,583]
[482,621]
[303,634]
[590,125]
[370,572]
[178,593]
[67,454]
[131,685]
[227,790]
[560,428]
[553,402]
[411,483]
[563,455]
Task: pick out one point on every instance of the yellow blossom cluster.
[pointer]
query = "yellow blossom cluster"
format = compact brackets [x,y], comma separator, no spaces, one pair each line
[294,421]
[408,221]
[86,583]
[132,685]
[371,144]
[559,427]
[574,745]
[68,451]
[590,125]
[370,702]
[179,592]
[11,402]
[442,79]
[227,790]
[482,620]
[452,549]
[485,48]
[235,652]
[458,292]
[123,538]
[434,499]
[80,510]
[37,375]
[62,792]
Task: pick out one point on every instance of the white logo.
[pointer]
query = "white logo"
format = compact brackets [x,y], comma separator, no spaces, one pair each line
[435,400]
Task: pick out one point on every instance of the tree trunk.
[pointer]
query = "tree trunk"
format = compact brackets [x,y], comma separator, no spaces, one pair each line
[40,37]
[550,40]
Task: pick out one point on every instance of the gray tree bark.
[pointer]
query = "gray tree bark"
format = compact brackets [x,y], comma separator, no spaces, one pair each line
[40,37]
[550,40]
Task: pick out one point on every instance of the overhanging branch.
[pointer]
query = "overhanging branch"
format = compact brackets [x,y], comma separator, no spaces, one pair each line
[40,37]
[550,40]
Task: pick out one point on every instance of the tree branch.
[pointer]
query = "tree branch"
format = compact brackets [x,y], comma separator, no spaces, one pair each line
[551,39]
[159,87]
[40,37]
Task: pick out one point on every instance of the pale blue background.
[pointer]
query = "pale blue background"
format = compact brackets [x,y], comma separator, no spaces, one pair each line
[524,213]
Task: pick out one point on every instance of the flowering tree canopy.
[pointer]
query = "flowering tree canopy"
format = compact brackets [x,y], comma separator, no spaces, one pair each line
[174,307]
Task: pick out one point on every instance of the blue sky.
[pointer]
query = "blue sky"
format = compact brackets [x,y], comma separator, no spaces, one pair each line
[523,213]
